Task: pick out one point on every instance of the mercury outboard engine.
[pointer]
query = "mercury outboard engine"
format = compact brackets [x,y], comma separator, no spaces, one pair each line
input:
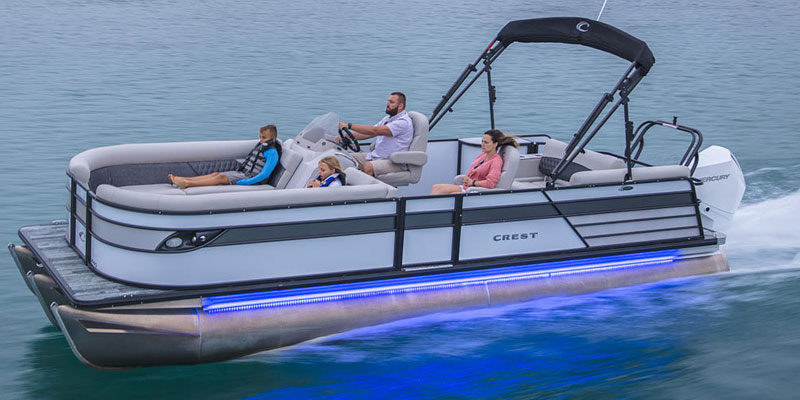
[722,187]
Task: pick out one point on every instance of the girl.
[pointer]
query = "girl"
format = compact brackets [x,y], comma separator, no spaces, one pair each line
[485,169]
[330,174]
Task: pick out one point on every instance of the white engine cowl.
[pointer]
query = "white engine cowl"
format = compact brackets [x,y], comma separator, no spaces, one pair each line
[722,189]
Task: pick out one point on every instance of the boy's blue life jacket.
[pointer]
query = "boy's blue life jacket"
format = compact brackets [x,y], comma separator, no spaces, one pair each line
[255,161]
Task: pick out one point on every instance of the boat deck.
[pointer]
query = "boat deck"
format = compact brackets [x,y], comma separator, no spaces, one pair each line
[65,266]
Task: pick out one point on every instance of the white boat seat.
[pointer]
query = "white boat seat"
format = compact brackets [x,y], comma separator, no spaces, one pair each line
[638,174]
[169,189]
[288,165]
[226,189]
[552,151]
[587,160]
[157,188]
[414,159]
[360,186]
[537,184]
[289,161]
[510,156]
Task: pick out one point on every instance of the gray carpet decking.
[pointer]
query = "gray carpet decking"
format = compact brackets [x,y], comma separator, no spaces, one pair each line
[80,284]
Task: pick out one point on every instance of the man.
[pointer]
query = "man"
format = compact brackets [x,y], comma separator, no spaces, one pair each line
[394,133]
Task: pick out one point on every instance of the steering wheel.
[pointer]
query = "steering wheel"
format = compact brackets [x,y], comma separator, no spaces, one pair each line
[349,141]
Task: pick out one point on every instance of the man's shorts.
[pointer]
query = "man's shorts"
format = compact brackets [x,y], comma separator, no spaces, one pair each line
[380,166]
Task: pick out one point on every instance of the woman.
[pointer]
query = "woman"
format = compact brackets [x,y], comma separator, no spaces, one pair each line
[330,174]
[485,169]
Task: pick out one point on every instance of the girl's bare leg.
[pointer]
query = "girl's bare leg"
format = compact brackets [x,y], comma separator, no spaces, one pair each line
[445,188]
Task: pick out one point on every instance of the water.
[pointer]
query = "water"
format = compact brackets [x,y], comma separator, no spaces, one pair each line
[81,74]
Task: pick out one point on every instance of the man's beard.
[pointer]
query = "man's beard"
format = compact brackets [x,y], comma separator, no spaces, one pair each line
[391,111]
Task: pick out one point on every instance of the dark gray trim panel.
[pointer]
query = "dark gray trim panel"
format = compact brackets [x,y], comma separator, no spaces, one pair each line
[499,214]
[625,203]
[305,230]
[429,220]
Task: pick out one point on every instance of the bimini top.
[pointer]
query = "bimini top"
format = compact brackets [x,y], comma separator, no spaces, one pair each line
[581,31]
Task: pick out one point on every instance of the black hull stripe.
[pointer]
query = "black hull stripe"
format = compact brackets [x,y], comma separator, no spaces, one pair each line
[626,204]
[305,230]
[509,213]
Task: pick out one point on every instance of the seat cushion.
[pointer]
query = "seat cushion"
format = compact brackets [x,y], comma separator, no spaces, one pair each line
[226,189]
[518,185]
[168,189]
[156,188]
[396,178]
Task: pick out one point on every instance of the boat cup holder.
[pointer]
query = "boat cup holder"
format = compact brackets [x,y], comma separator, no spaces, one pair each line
[187,240]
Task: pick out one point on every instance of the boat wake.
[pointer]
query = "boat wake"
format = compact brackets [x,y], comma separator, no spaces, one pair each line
[771,182]
[765,234]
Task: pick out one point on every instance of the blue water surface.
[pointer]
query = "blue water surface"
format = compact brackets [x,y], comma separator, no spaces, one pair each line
[78,74]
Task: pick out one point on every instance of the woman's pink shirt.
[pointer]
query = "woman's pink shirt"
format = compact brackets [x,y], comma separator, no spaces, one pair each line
[488,172]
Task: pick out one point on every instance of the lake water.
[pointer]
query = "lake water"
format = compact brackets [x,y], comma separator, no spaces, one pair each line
[81,74]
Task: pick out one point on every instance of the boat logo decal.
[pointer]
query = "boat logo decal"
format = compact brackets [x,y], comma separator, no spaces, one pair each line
[583,26]
[715,178]
[515,236]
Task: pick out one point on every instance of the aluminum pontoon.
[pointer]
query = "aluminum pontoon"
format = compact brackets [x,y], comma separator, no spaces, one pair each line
[145,274]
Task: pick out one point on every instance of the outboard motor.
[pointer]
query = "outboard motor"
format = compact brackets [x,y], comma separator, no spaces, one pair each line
[722,189]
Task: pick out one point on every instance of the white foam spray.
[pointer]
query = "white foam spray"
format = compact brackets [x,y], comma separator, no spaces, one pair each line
[766,234]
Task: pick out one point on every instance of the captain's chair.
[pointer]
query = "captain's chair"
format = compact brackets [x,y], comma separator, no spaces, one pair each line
[510,156]
[415,158]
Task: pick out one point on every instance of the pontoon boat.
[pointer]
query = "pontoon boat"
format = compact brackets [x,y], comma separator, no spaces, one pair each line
[144,273]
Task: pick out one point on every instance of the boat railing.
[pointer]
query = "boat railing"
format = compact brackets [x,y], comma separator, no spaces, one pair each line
[690,156]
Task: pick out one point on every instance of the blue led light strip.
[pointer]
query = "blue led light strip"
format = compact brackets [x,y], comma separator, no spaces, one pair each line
[290,297]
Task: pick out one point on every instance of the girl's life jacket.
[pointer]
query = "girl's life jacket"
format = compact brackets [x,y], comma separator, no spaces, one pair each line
[335,179]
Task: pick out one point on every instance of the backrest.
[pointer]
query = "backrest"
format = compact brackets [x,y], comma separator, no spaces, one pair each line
[510,156]
[588,160]
[288,163]
[418,143]
[420,140]
[83,165]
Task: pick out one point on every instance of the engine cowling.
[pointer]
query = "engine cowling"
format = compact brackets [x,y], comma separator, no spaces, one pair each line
[722,187]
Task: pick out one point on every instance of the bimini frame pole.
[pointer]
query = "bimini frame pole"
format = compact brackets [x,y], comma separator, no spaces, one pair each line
[488,57]
[598,109]
[491,94]
[625,85]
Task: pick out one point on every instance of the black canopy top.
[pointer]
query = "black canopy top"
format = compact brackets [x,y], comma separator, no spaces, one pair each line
[581,31]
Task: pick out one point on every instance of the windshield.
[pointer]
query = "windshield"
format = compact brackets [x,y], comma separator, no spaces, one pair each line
[320,127]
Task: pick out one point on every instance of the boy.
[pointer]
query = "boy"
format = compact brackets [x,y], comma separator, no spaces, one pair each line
[256,169]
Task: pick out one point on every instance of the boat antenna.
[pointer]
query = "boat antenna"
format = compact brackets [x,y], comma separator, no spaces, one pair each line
[601,10]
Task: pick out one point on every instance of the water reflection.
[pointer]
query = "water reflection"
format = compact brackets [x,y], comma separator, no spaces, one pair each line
[679,338]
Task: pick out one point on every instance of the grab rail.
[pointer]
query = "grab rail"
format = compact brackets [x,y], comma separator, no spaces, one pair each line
[690,157]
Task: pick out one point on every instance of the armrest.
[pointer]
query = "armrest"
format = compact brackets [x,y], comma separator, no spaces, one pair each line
[409,157]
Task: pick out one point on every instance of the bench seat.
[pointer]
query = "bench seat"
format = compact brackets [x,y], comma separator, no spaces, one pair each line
[169,189]
[166,198]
